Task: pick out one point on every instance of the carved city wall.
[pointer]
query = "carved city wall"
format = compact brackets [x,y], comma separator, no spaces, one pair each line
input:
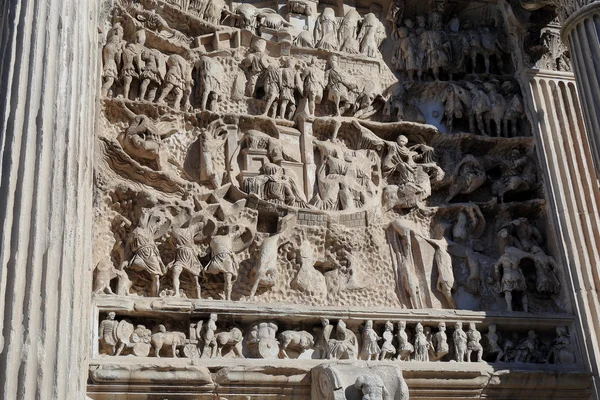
[321,182]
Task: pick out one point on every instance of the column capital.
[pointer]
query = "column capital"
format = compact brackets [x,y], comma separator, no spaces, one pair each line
[566,10]
[570,14]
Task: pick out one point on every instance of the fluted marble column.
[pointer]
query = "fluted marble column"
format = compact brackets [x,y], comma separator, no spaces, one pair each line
[581,25]
[573,199]
[48,86]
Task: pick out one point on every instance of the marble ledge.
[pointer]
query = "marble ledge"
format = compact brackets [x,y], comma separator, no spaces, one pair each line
[144,306]
[139,370]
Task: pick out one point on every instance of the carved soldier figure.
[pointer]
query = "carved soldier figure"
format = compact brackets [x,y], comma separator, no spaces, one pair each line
[459,45]
[177,80]
[514,109]
[313,85]
[436,46]
[429,336]
[370,348]
[186,259]
[111,58]
[473,345]
[453,107]
[405,348]
[492,346]
[222,257]
[279,187]
[460,342]
[255,64]
[339,87]
[132,61]
[497,108]
[344,345]
[480,104]
[213,11]
[107,332]
[474,40]
[490,43]
[291,81]
[508,273]
[387,348]
[545,272]
[326,30]
[146,256]
[443,261]
[209,73]
[371,35]
[209,337]
[440,341]
[509,348]
[323,336]
[272,86]
[395,12]
[405,53]
[561,351]
[421,344]
[528,350]
[150,75]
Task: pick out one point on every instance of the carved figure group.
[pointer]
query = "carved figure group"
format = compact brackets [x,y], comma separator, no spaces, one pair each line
[521,240]
[358,167]
[426,46]
[352,33]
[207,340]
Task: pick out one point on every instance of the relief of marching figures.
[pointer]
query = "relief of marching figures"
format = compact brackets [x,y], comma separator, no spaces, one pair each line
[523,270]
[310,155]
[397,342]
[200,55]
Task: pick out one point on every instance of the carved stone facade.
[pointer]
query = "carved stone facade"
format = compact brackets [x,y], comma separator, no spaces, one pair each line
[335,158]
[304,199]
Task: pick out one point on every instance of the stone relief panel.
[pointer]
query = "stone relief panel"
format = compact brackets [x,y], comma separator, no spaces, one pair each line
[209,338]
[317,154]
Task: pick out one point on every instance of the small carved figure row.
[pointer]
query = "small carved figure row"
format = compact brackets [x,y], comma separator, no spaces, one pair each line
[352,33]
[280,82]
[428,46]
[120,337]
[477,103]
[125,63]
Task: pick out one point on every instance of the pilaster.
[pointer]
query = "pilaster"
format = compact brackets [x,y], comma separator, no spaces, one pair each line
[49,89]
[572,194]
[580,33]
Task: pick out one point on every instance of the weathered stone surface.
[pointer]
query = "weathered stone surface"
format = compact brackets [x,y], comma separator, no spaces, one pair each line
[297,199]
